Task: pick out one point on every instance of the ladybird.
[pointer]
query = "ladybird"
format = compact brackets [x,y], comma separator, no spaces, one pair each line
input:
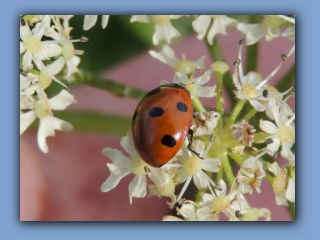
[161,123]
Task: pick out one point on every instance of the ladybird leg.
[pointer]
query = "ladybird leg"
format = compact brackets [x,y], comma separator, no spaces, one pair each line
[190,144]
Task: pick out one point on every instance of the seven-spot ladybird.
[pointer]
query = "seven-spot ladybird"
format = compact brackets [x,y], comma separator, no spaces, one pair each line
[161,123]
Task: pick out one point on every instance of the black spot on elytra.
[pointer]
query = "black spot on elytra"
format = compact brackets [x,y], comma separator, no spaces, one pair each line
[134,116]
[182,107]
[168,141]
[156,112]
[153,92]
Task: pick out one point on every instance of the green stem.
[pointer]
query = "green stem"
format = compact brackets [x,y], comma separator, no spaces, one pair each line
[217,55]
[197,104]
[220,101]
[252,50]
[117,89]
[93,122]
[250,114]
[227,168]
[234,114]
[219,175]
[200,194]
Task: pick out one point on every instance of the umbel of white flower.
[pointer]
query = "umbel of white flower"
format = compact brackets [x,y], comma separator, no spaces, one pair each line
[42,109]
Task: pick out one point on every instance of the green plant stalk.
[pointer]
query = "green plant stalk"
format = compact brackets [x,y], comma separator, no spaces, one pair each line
[220,101]
[234,114]
[227,168]
[197,105]
[249,115]
[217,55]
[93,122]
[252,50]
[115,88]
[200,194]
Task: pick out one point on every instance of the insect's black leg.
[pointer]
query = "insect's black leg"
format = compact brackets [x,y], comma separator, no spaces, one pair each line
[190,144]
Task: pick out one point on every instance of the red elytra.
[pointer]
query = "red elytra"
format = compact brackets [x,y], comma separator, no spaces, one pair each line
[161,123]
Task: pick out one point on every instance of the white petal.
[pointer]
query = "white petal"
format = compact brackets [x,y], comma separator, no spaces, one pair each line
[180,78]
[47,127]
[116,157]
[272,32]
[203,211]
[26,60]
[206,91]
[166,55]
[209,217]
[62,100]
[164,32]
[26,81]
[265,213]
[159,177]
[24,32]
[117,173]
[204,78]
[199,64]
[211,164]
[223,186]
[141,18]
[128,145]
[175,16]
[274,168]
[56,67]
[25,120]
[281,199]
[49,50]
[187,211]
[200,180]
[72,68]
[181,176]
[289,33]
[268,127]
[258,105]
[290,193]
[22,47]
[201,24]
[252,78]
[89,21]
[105,19]
[26,101]
[206,199]
[198,146]
[171,218]
[254,32]
[138,187]
[219,26]
[272,147]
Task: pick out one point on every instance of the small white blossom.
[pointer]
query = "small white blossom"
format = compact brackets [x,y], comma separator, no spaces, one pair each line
[42,109]
[220,24]
[269,28]
[188,212]
[163,27]
[122,166]
[204,122]
[90,21]
[279,183]
[167,56]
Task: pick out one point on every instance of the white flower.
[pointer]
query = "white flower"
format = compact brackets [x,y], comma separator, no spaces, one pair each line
[204,122]
[90,21]
[281,134]
[192,166]
[163,27]
[269,28]
[251,87]
[243,133]
[187,211]
[122,166]
[251,174]
[240,210]
[279,183]
[167,56]
[48,123]
[216,203]
[220,23]
[194,84]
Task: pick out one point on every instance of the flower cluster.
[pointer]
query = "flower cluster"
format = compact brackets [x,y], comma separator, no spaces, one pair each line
[36,76]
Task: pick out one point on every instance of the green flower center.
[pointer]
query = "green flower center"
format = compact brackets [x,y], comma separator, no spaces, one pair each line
[137,166]
[284,133]
[42,108]
[167,190]
[44,79]
[279,184]
[67,51]
[249,91]
[193,165]
[32,44]
[184,67]
[161,19]
[221,203]
[251,215]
